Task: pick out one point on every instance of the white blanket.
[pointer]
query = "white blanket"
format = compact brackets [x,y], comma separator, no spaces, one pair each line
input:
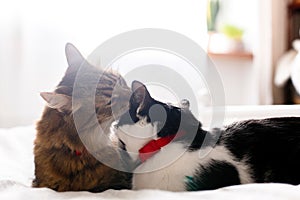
[17,172]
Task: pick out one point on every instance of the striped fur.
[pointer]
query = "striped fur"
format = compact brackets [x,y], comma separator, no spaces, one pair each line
[57,165]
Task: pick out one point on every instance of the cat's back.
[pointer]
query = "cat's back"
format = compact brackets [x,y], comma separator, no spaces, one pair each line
[271,147]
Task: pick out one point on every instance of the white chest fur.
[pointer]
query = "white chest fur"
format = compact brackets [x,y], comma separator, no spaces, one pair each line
[167,170]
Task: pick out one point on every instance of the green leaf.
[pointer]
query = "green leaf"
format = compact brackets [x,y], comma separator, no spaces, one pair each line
[232,31]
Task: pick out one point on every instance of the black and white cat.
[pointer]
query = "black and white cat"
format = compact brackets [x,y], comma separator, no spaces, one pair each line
[166,142]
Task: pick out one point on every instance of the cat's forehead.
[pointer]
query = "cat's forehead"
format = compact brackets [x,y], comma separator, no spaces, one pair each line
[156,112]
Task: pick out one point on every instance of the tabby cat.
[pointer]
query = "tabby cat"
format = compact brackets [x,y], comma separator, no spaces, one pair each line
[62,161]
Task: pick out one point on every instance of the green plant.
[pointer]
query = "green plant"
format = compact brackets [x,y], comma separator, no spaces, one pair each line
[213,7]
[232,31]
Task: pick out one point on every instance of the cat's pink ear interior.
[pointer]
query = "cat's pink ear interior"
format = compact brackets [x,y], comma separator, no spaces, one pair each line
[74,58]
[140,92]
[57,101]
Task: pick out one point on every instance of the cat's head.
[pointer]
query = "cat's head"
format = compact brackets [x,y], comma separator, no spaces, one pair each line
[107,90]
[149,119]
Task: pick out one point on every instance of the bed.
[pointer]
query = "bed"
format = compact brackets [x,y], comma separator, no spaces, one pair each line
[17,168]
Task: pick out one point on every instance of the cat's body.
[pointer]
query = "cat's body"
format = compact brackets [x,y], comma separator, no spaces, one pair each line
[62,161]
[253,151]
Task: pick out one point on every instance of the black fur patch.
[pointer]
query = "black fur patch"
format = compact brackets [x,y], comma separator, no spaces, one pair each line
[216,175]
[271,147]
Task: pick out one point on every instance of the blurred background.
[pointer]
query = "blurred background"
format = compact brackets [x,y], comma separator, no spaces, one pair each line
[252,43]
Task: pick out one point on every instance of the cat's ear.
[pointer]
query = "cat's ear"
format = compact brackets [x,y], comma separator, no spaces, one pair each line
[59,102]
[140,93]
[74,58]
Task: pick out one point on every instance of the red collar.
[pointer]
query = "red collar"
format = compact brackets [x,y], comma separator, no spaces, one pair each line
[80,153]
[152,147]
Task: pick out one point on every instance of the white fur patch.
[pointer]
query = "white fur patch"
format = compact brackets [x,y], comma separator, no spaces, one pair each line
[220,153]
[168,169]
[136,136]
